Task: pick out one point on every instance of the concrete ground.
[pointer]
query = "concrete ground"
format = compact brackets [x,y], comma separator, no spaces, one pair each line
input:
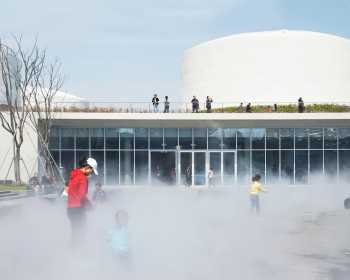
[180,233]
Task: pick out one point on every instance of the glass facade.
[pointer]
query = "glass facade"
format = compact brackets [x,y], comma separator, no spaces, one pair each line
[132,156]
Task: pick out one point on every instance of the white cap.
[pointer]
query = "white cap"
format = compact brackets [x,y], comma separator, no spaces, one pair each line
[93,164]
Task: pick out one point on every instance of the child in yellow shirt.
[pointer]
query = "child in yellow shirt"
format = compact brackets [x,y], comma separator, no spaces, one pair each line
[255,189]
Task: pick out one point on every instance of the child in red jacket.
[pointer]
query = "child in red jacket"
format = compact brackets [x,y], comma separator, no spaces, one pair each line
[78,201]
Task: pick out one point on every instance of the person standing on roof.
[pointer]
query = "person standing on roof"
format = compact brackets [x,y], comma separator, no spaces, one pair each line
[248,109]
[195,104]
[155,102]
[78,202]
[208,102]
[166,104]
[301,106]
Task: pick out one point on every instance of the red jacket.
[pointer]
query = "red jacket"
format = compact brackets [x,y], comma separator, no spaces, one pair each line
[78,189]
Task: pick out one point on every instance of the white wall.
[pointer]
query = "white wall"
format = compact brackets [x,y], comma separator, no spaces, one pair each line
[276,66]
[29,153]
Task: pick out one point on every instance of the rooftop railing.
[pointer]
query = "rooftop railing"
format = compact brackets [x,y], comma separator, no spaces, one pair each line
[186,107]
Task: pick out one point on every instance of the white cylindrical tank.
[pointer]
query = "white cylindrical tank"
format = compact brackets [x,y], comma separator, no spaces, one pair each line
[272,66]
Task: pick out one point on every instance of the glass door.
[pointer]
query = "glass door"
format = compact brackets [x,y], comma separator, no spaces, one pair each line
[186,168]
[215,164]
[229,168]
[199,168]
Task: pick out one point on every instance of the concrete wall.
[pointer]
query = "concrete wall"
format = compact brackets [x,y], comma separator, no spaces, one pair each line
[276,66]
[29,154]
[189,120]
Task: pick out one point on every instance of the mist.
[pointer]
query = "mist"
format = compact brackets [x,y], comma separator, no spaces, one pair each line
[185,233]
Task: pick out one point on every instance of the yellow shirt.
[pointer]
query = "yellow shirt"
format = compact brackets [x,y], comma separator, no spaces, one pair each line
[256,188]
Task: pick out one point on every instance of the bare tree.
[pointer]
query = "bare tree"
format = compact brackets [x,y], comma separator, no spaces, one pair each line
[41,104]
[18,81]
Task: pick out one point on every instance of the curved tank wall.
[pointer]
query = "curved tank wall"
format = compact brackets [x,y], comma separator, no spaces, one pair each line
[273,66]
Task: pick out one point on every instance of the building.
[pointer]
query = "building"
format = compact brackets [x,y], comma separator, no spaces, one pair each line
[272,66]
[155,148]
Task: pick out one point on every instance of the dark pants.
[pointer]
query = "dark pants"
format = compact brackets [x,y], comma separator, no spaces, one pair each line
[77,219]
[166,109]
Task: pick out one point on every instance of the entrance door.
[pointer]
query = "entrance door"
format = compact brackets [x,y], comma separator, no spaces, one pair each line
[215,165]
[229,168]
[199,168]
[186,168]
[163,168]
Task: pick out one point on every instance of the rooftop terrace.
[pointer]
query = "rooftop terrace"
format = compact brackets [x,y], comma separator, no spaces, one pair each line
[186,107]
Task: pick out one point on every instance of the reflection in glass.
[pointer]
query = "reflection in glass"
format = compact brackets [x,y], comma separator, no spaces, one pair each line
[54,139]
[67,138]
[112,138]
[141,167]
[316,138]
[330,163]
[185,138]
[200,138]
[330,138]
[243,138]
[126,167]
[287,138]
[82,138]
[344,138]
[243,166]
[97,138]
[258,164]
[316,164]
[301,167]
[301,138]
[229,138]
[156,137]
[215,165]
[214,138]
[229,168]
[126,138]
[141,138]
[287,166]
[258,138]
[186,168]
[170,138]
[272,166]
[272,138]
[344,165]
[112,167]
[163,170]
[199,168]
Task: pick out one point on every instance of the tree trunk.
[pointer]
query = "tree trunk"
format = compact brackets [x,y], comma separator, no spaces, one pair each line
[16,163]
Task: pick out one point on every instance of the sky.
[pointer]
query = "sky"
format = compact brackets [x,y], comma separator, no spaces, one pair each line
[113,50]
